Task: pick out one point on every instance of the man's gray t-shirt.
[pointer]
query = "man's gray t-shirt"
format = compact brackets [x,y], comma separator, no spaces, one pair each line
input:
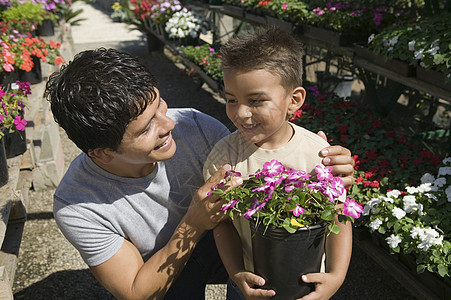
[96,210]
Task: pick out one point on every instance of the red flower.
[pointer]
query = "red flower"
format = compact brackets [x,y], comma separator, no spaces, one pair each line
[59,61]
[377,124]
[371,154]
[343,128]
[375,184]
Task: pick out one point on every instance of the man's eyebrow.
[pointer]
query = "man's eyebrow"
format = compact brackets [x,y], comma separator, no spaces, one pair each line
[150,119]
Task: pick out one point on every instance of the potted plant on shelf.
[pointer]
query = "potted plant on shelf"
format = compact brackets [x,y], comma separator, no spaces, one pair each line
[26,53]
[416,223]
[206,60]
[289,212]
[185,26]
[12,117]
[423,44]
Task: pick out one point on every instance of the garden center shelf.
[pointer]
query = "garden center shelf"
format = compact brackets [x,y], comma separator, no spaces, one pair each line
[425,286]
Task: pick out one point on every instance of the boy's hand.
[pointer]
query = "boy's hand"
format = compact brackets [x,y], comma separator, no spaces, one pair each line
[204,212]
[249,284]
[339,158]
[326,285]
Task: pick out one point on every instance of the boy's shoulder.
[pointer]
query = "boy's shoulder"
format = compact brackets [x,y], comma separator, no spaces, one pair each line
[309,136]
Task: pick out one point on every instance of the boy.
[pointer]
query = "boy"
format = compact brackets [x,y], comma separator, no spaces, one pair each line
[262,81]
[131,202]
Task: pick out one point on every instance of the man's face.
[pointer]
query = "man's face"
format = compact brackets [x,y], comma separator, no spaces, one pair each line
[148,138]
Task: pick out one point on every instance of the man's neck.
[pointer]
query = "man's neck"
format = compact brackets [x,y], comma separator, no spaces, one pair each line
[129,170]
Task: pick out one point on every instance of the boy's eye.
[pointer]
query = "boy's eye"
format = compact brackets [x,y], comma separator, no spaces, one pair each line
[256,102]
[230,101]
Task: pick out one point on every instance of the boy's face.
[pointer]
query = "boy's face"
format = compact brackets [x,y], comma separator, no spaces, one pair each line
[258,105]
[147,139]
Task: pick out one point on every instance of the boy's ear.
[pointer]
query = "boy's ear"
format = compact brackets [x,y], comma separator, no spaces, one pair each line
[103,155]
[297,99]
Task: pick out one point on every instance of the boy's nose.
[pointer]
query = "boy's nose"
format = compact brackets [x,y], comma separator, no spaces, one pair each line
[244,111]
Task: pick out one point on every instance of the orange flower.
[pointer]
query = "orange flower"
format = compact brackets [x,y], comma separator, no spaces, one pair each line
[59,61]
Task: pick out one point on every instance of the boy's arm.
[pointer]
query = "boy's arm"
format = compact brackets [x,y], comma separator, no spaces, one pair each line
[127,276]
[338,256]
[230,250]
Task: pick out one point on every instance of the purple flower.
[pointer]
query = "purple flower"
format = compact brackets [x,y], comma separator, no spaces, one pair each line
[20,123]
[229,205]
[352,208]
[255,207]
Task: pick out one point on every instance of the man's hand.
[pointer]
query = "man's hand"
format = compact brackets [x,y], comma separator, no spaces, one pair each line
[339,158]
[205,212]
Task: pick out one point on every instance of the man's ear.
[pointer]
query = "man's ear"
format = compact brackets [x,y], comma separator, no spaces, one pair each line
[297,99]
[103,155]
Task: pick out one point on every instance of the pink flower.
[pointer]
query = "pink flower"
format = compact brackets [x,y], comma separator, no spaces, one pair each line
[298,211]
[324,173]
[352,208]
[284,6]
[20,123]
[229,205]
[273,168]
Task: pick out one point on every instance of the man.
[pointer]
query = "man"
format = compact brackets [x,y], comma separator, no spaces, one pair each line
[131,202]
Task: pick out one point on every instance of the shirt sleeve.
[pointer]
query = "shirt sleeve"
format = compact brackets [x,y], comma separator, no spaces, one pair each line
[95,243]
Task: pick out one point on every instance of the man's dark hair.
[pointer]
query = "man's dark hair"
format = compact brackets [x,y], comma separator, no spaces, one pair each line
[97,95]
[268,49]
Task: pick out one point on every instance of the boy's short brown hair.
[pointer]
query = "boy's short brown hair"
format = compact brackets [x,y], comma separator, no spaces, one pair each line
[268,49]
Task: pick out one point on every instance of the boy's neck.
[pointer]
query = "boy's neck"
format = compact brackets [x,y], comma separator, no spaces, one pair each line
[286,136]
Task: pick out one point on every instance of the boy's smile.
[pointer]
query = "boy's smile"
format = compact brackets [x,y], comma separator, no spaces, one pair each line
[258,105]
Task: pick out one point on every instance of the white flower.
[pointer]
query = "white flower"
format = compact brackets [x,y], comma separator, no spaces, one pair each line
[427,178]
[448,193]
[374,225]
[418,54]
[411,45]
[416,231]
[411,190]
[393,194]
[429,237]
[386,199]
[393,241]
[433,50]
[440,182]
[444,171]
[425,187]
[410,204]
[393,41]
[398,213]
[446,160]
[371,206]
[434,197]
[370,38]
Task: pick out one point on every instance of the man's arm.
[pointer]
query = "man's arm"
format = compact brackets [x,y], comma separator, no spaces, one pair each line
[127,276]
[339,158]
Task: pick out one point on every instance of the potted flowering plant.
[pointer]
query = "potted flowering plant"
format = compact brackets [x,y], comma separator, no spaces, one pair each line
[186,26]
[207,58]
[12,121]
[288,212]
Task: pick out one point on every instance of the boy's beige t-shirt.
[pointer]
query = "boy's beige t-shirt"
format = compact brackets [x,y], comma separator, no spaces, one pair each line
[302,152]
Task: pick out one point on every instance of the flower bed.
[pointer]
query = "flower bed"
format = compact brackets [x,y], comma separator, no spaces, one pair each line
[207,58]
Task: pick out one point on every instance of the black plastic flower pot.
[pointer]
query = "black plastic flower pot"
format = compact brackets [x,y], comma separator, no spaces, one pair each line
[282,258]
[3,163]
[15,143]
[47,28]
[35,75]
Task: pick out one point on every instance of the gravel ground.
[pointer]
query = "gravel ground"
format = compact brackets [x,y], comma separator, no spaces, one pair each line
[50,268]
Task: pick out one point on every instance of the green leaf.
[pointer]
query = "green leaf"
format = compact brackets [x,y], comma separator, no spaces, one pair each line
[334,228]
[420,268]
[218,192]
[327,215]
[442,270]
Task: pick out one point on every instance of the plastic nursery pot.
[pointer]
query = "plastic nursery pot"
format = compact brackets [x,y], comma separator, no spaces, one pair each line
[15,143]
[282,258]
[3,163]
